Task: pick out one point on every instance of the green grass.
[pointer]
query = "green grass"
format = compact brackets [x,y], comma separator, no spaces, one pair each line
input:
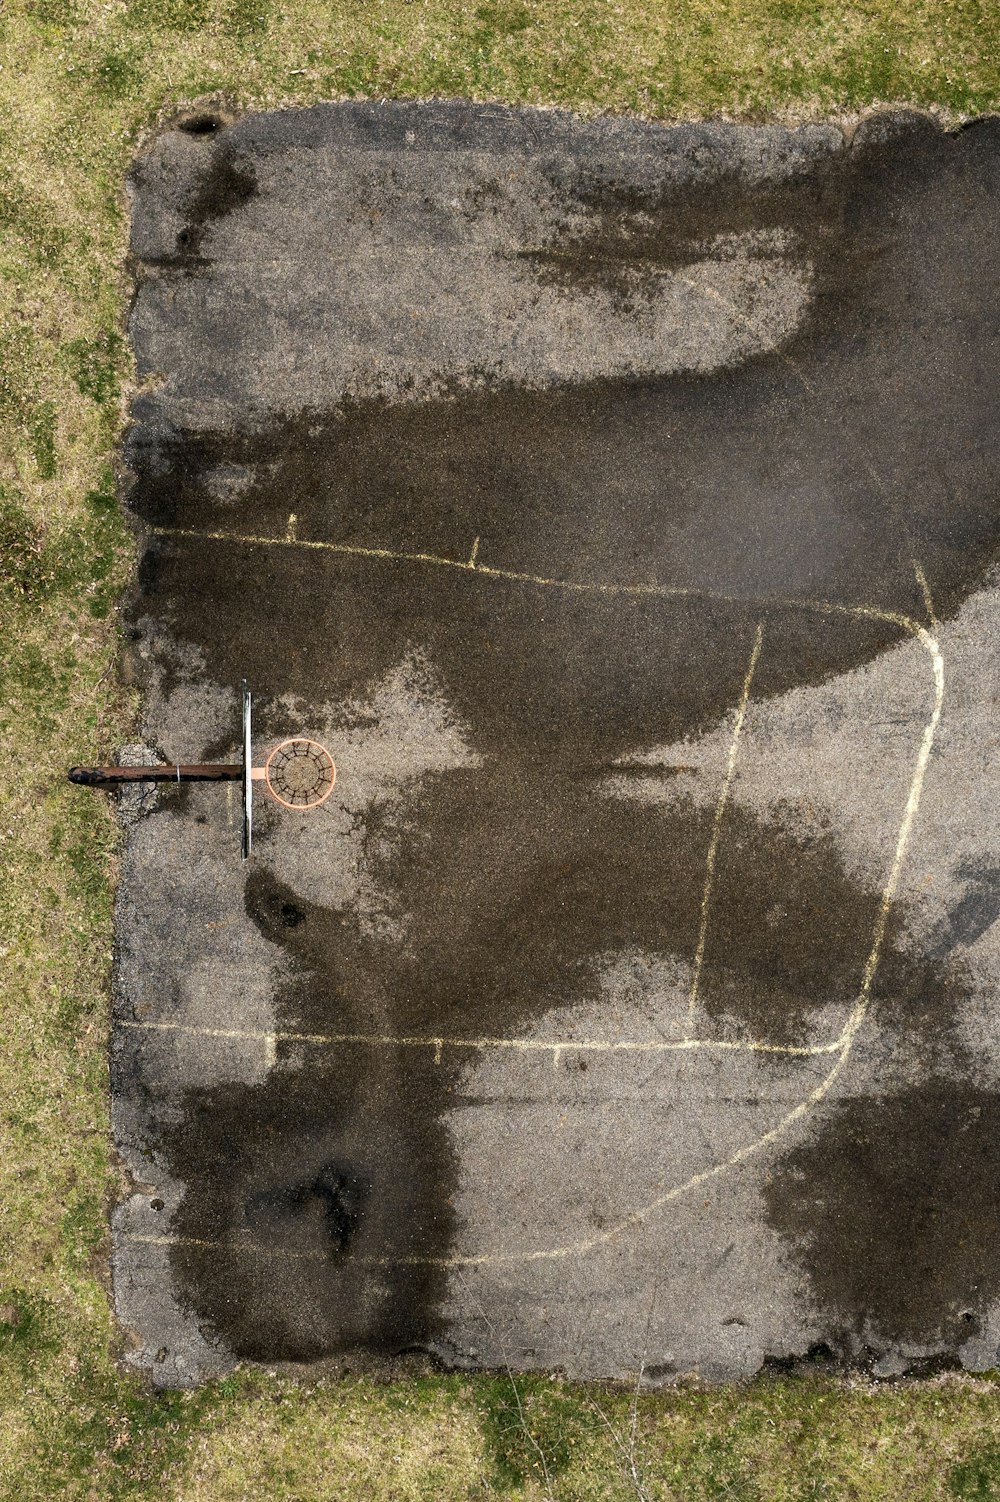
[82,84]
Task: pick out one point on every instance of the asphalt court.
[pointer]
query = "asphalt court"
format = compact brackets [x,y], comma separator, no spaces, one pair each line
[618,503]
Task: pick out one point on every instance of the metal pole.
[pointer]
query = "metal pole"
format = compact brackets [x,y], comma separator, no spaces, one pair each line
[114,776]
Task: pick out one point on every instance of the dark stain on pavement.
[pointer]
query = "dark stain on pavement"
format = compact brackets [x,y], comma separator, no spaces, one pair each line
[341,1162]
[229,181]
[228,184]
[577,678]
[304,1185]
[513,906]
[625,239]
[891,1206]
[333,1197]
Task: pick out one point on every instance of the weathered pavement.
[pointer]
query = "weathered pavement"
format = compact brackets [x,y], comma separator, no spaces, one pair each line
[619,505]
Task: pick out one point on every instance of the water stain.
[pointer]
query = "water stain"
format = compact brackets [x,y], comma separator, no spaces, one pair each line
[300,1187]
[510,907]
[890,1207]
[577,679]
[621,238]
[333,1197]
[228,181]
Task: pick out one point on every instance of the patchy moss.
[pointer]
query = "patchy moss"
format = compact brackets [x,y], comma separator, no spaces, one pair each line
[117,76]
[95,365]
[27,1327]
[43,439]
[25,571]
[977,1479]
[531,1428]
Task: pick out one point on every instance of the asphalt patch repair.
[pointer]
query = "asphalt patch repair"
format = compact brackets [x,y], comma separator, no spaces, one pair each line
[618,503]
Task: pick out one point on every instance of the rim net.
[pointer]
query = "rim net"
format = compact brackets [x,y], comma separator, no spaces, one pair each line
[300,773]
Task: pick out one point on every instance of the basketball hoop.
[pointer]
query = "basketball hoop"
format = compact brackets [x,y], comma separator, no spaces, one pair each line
[299,774]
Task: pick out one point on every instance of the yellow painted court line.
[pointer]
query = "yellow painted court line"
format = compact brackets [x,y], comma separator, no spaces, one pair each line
[925,590]
[720,809]
[514,1045]
[514,576]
